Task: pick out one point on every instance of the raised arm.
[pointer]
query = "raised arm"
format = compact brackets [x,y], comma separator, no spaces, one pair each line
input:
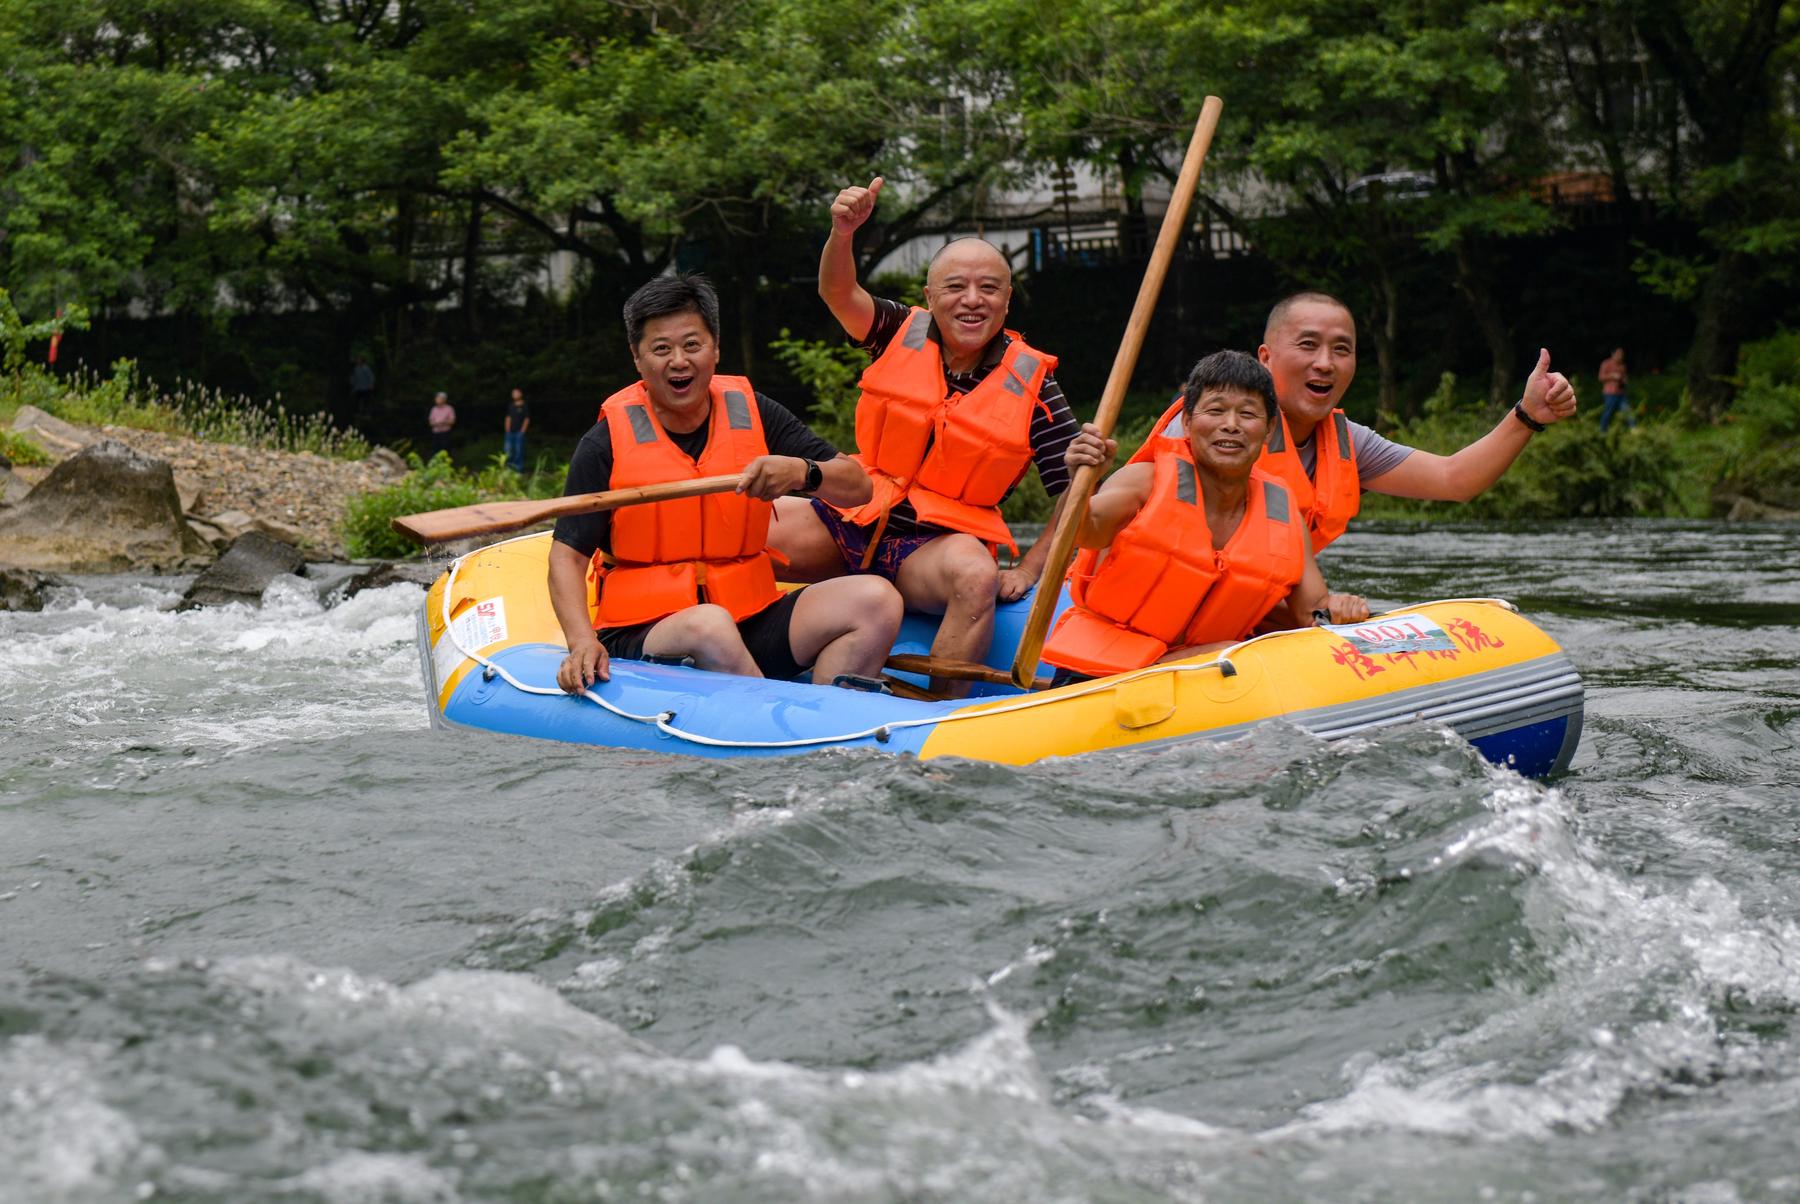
[849,302]
[1548,398]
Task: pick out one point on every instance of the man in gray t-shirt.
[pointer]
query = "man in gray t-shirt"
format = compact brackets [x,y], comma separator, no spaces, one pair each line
[1309,347]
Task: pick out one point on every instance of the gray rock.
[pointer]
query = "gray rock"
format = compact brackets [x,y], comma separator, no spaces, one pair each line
[387,462]
[105,509]
[51,433]
[233,522]
[245,570]
[188,490]
[217,536]
[278,530]
[23,589]
[392,572]
[1750,510]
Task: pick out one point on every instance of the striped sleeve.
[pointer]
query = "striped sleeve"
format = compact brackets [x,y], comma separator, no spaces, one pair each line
[1053,428]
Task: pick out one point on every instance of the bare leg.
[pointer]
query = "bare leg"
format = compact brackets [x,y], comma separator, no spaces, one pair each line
[846,625]
[796,533]
[955,576]
[708,634]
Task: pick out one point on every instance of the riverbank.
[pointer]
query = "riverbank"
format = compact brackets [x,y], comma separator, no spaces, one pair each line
[223,489]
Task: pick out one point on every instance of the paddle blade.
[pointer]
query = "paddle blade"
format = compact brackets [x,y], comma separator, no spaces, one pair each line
[497,518]
[483,518]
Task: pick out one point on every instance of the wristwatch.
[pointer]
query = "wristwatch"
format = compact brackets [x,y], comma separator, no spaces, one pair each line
[1527,419]
[815,476]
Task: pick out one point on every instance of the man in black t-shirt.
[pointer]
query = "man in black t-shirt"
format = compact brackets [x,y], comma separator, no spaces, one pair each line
[843,627]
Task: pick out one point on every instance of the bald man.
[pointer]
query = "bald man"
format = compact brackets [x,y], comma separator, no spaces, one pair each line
[954,412]
[1309,348]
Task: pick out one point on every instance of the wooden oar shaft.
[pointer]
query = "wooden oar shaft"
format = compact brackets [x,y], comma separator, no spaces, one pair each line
[497,518]
[950,670]
[1062,546]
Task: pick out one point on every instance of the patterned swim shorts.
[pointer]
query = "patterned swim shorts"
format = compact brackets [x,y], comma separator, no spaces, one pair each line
[853,543]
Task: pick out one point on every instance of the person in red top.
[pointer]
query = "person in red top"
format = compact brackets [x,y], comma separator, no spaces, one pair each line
[1612,387]
[955,410]
[1309,348]
[693,578]
[1197,547]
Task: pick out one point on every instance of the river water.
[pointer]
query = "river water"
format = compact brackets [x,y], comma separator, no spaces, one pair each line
[268,936]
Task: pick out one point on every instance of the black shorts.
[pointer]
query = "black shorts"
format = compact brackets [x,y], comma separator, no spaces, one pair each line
[765,634]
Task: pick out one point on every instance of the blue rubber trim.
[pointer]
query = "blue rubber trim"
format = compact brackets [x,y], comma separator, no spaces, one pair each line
[712,704]
[1536,750]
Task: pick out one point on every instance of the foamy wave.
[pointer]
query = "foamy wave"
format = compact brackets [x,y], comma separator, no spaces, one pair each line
[1638,979]
[229,677]
[58,1139]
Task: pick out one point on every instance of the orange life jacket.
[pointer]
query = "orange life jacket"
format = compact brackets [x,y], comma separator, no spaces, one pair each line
[1162,585]
[1328,499]
[953,456]
[668,556]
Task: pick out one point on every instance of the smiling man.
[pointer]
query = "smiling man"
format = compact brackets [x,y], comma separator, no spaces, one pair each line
[693,578]
[1309,348]
[955,410]
[1191,550]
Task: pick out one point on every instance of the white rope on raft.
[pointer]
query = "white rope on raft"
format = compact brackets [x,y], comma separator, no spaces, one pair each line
[881,731]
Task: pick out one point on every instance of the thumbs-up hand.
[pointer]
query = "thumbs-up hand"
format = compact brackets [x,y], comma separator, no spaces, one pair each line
[853,206]
[1549,397]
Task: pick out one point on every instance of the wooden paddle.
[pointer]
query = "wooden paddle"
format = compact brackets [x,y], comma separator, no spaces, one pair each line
[496,518]
[1062,545]
[955,670]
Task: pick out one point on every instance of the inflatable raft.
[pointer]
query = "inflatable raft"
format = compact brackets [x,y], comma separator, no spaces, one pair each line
[490,647]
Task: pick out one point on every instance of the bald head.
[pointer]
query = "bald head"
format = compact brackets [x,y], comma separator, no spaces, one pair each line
[967,290]
[1285,306]
[969,254]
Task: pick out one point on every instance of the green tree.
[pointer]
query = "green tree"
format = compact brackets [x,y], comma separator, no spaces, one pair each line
[1732,64]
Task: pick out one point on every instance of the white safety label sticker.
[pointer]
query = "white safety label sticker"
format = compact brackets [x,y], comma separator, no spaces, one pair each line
[1394,633]
[480,626]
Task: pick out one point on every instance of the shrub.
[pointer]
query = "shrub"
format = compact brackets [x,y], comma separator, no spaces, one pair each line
[438,485]
[829,371]
[1570,471]
[21,450]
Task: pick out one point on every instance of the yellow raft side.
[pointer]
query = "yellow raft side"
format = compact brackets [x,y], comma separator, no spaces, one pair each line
[513,573]
[1281,674]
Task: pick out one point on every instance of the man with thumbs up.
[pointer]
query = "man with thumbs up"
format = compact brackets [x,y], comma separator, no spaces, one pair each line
[955,410]
[1309,347]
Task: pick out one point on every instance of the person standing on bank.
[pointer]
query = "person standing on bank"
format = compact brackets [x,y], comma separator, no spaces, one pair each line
[693,578]
[1194,549]
[1309,348]
[954,411]
[362,390]
[1612,387]
[517,422]
[441,420]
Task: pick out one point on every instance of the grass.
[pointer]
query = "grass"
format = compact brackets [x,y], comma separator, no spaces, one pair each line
[124,398]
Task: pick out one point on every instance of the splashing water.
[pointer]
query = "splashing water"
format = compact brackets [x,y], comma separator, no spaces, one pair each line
[271,937]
